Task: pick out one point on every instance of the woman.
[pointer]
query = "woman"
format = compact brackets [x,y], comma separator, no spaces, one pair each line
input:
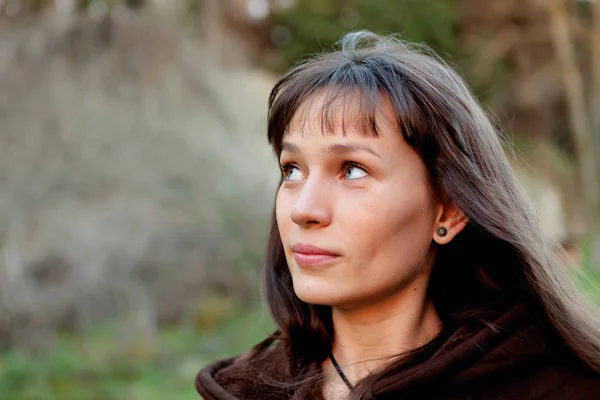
[404,260]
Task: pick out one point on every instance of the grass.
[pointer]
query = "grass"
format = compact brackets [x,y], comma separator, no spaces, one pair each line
[89,367]
[588,276]
[589,281]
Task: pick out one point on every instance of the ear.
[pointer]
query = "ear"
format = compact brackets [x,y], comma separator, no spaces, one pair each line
[452,218]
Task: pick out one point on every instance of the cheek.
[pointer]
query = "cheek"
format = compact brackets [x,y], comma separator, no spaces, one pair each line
[394,219]
[282,211]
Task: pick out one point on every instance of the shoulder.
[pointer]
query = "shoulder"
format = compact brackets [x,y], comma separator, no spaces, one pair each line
[268,364]
[256,374]
[206,384]
[568,380]
[558,379]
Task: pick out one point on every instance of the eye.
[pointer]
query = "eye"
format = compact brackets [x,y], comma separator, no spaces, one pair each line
[354,171]
[291,172]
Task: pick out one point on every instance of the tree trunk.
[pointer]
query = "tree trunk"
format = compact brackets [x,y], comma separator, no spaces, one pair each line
[594,110]
[582,123]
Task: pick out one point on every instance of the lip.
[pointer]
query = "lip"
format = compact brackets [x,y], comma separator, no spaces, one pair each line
[308,255]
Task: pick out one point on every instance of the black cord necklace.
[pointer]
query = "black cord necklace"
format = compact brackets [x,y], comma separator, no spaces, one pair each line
[339,370]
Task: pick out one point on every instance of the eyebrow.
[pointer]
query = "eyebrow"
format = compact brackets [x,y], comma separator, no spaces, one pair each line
[338,149]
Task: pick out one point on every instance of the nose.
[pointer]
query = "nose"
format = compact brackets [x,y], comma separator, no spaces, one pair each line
[313,204]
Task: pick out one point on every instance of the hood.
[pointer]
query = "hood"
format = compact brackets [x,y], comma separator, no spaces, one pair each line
[498,349]
[501,348]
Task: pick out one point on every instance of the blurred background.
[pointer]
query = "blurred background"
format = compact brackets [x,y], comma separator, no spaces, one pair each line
[136,182]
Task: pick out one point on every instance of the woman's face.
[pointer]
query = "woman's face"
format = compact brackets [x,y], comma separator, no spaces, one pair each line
[354,211]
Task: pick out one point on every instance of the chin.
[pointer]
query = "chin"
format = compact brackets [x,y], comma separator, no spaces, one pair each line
[318,292]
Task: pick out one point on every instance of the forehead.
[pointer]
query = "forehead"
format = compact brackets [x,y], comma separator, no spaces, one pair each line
[343,112]
[350,120]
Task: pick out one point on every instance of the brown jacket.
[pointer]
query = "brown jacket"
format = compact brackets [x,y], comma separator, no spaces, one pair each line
[509,359]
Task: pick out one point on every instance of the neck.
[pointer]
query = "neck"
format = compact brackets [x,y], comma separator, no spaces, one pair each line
[367,337]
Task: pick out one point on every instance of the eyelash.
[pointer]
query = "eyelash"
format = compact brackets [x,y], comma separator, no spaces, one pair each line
[346,164]
[284,167]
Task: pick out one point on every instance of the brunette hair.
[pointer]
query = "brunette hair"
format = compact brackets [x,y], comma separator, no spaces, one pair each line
[499,259]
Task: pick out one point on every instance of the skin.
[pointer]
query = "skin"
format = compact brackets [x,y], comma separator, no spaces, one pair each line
[368,200]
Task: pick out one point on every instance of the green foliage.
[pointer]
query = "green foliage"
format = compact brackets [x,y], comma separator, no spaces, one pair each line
[95,367]
[37,5]
[84,4]
[315,25]
[589,281]
[588,276]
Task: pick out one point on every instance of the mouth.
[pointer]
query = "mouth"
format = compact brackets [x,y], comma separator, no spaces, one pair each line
[308,255]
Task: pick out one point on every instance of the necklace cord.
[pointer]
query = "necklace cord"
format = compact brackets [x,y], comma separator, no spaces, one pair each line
[340,372]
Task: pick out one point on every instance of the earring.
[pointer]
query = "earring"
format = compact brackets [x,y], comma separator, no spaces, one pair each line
[441,231]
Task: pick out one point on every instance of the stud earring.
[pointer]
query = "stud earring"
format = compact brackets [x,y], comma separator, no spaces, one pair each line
[441,231]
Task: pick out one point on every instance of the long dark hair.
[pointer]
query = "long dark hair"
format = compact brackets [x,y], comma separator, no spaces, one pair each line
[499,259]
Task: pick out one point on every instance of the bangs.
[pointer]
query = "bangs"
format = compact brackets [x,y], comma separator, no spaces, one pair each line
[350,94]
[338,109]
